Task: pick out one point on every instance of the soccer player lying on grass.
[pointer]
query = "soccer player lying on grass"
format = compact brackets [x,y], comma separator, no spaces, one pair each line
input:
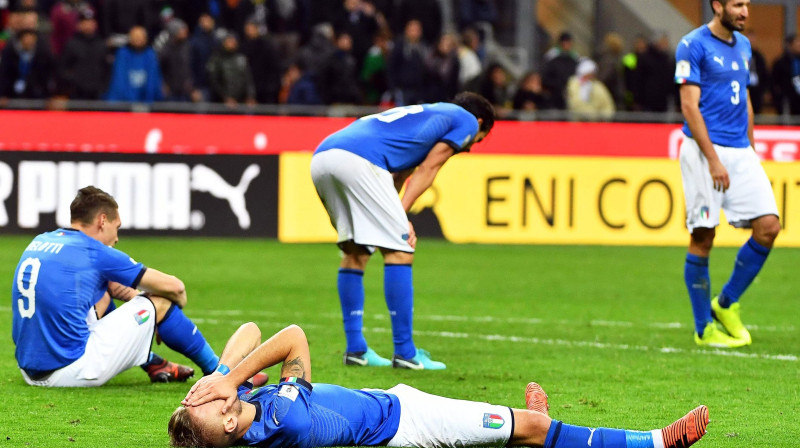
[296,413]
[63,325]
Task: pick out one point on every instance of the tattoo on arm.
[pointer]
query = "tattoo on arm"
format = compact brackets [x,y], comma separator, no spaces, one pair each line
[122,292]
[294,368]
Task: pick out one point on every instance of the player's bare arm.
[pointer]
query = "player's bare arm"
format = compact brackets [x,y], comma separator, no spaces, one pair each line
[164,285]
[289,346]
[750,123]
[690,106]
[425,173]
[121,292]
[400,178]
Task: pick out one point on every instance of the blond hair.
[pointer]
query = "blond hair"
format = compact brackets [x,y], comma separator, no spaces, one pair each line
[183,431]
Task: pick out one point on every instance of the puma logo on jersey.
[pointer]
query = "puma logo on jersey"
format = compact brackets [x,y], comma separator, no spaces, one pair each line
[720,59]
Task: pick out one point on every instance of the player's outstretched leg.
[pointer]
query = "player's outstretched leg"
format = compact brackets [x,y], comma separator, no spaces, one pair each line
[687,430]
[162,371]
[182,335]
[536,399]
[681,434]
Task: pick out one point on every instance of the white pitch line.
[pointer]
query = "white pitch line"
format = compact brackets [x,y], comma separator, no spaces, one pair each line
[539,341]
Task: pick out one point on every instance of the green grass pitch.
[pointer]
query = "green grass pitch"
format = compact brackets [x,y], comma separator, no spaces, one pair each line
[607,331]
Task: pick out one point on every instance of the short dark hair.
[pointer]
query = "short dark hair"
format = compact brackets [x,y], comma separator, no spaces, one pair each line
[721,2]
[91,201]
[478,106]
[183,431]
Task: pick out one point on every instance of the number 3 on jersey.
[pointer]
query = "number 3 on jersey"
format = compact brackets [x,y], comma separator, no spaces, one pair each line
[395,114]
[735,87]
[28,291]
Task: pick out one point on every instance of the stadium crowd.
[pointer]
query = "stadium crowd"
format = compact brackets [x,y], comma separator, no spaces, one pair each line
[323,52]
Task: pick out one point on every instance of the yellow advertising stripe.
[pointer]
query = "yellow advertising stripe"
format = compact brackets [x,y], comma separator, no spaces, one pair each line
[546,200]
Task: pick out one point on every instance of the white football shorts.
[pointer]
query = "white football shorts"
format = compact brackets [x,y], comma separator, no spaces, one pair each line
[117,342]
[430,420]
[749,196]
[361,200]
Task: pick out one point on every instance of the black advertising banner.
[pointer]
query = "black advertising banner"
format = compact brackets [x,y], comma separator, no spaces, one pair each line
[158,194]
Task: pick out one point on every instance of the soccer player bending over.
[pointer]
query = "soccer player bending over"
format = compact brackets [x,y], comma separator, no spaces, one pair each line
[720,169]
[297,413]
[358,172]
[65,332]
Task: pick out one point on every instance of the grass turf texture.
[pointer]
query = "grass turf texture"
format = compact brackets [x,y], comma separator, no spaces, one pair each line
[607,331]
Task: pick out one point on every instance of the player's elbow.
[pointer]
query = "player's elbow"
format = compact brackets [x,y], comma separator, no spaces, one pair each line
[176,290]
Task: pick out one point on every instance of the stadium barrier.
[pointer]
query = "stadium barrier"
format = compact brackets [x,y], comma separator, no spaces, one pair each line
[225,175]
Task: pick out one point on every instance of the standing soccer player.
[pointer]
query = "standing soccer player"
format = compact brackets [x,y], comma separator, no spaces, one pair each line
[720,169]
[358,172]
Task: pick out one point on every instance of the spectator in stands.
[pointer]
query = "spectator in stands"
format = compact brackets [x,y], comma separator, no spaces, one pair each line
[229,74]
[496,87]
[357,20]
[64,19]
[609,66]
[373,72]
[631,73]
[287,22]
[588,98]
[84,64]
[338,77]
[135,75]
[120,16]
[25,68]
[298,87]
[264,61]
[786,78]
[559,66]
[407,66]
[530,94]
[469,61]
[234,13]
[175,59]
[201,46]
[428,13]
[442,70]
[312,55]
[657,70]
[759,75]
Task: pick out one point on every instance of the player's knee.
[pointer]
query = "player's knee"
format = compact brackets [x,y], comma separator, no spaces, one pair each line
[530,428]
[398,257]
[161,305]
[767,230]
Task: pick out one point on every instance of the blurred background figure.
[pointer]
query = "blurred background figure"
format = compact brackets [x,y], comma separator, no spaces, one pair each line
[84,64]
[264,61]
[175,58]
[374,78]
[469,61]
[588,98]
[298,87]
[530,94]
[632,75]
[64,17]
[496,88]
[25,68]
[338,76]
[656,71]
[229,77]
[135,75]
[760,82]
[407,66]
[443,69]
[609,66]
[201,46]
[786,78]
[560,63]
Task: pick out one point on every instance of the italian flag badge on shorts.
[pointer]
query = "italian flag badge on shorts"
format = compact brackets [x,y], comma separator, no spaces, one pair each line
[493,421]
[142,316]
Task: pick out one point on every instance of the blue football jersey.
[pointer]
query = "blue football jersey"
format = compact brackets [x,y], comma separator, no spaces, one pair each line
[722,70]
[295,414]
[401,138]
[60,276]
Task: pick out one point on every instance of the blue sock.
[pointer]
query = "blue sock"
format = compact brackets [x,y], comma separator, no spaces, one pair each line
[154,359]
[749,260]
[350,283]
[399,291]
[182,335]
[562,435]
[695,274]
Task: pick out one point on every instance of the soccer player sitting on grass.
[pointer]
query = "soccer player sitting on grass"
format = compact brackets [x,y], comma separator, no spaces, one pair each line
[296,413]
[63,326]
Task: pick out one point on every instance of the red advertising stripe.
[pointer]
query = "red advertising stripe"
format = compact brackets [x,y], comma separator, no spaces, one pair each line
[241,134]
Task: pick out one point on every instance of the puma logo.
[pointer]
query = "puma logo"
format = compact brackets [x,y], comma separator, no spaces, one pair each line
[720,59]
[208,181]
[591,434]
